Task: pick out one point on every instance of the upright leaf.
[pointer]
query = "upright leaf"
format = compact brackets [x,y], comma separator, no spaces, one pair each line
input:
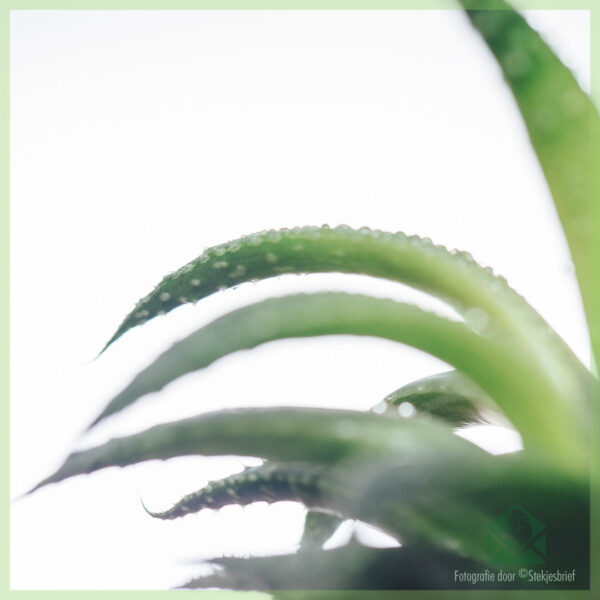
[561,120]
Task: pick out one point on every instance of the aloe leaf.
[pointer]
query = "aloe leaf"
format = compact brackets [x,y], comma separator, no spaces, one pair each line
[441,502]
[495,365]
[413,479]
[452,499]
[266,483]
[317,436]
[351,567]
[560,119]
[486,301]
[318,528]
[449,396]
[301,315]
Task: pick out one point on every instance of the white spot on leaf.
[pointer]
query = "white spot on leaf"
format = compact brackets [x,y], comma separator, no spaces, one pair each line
[406,410]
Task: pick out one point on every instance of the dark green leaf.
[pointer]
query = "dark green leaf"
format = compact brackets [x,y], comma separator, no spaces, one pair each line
[450,500]
[449,396]
[267,483]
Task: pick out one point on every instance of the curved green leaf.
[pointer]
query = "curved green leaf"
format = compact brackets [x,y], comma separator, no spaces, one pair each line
[489,305]
[449,396]
[413,479]
[266,483]
[280,434]
[452,499]
[559,117]
[500,368]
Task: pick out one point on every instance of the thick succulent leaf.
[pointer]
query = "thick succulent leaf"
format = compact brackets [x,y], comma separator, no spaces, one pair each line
[300,315]
[559,117]
[266,483]
[452,500]
[500,368]
[412,479]
[280,434]
[318,528]
[449,396]
[451,503]
[350,567]
[486,301]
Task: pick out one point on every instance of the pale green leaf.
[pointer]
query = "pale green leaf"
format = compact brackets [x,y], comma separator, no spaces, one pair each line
[538,410]
[561,120]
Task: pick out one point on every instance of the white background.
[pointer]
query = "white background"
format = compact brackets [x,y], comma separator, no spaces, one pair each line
[139,138]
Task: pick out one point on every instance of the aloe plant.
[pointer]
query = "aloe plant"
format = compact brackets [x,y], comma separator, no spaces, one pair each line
[404,471]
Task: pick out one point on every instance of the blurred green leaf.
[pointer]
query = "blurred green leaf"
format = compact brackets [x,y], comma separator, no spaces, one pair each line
[450,500]
[413,479]
[561,120]
[539,411]
[351,567]
[280,434]
[450,396]
[446,503]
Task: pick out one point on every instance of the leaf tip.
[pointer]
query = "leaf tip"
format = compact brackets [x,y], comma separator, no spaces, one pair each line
[105,413]
[37,486]
[155,515]
[110,342]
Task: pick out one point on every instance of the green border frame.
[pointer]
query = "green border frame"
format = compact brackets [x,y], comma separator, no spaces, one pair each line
[8,5]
